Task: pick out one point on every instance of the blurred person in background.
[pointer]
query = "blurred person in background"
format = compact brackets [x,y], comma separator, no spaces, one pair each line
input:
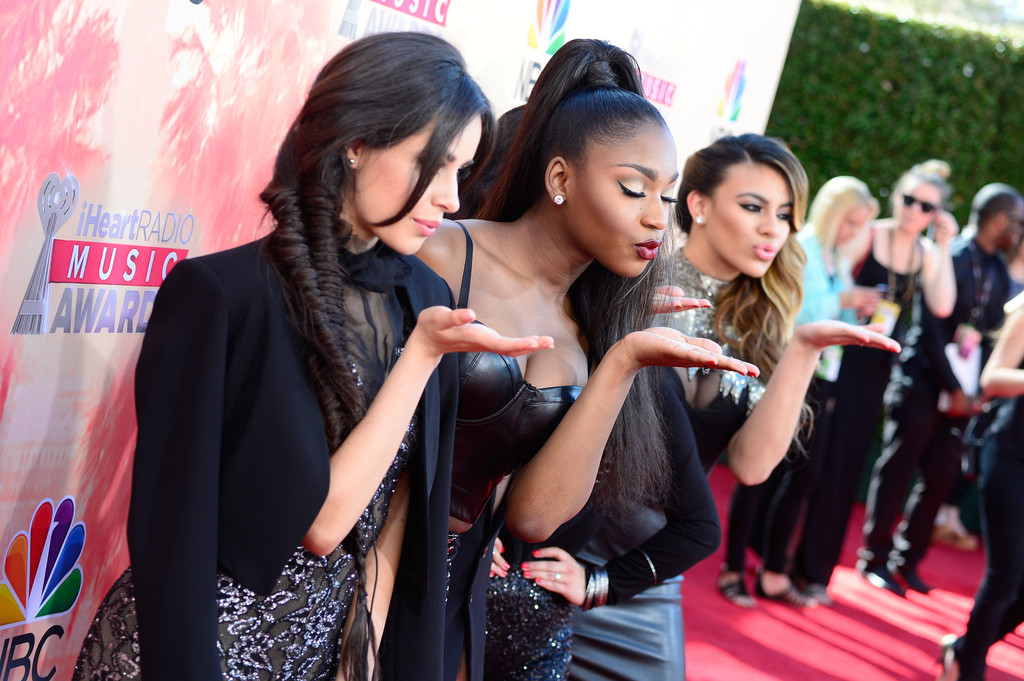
[897,257]
[933,393]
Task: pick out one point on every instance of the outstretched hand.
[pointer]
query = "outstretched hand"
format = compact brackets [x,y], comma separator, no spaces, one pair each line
[820,335]
[673,299]
[440,330]
[662,346]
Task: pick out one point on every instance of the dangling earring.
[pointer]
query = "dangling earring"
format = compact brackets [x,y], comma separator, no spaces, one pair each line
[699,219]
[559,199]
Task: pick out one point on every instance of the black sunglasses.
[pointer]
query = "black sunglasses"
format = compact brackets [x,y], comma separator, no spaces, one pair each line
[926,207]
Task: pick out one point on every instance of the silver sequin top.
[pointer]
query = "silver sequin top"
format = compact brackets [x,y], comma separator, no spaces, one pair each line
[701,322]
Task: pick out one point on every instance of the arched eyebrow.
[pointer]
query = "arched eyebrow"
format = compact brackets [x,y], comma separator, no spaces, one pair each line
[758,197]
[649,173]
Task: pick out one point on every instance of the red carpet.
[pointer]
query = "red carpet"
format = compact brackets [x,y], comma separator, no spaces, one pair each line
[870,634]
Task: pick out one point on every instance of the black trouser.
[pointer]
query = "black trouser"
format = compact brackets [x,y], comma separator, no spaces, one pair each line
[843,436]
[766,516]
[916,437]
[999,604]
[745,513]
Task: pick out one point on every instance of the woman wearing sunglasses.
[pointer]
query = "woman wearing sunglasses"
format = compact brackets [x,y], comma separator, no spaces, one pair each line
[899,259]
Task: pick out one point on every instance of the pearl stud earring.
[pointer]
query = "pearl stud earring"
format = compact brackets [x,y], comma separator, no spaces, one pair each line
[351,161]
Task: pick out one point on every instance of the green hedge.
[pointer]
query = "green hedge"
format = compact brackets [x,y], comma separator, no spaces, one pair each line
[869,95]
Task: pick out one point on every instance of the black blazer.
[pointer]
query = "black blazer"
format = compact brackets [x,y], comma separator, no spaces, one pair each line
[231,463]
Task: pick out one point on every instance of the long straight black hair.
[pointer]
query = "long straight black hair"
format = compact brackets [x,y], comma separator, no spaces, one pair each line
[590,93]
[376,91]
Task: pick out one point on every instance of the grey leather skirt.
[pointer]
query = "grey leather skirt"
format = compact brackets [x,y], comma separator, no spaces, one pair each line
[640,638]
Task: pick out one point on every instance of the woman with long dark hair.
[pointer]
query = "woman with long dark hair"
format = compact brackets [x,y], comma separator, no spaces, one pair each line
[740,200]
[568,241]
[292,389]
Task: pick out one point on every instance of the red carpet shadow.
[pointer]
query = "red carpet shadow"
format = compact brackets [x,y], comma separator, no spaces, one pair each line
[870,634]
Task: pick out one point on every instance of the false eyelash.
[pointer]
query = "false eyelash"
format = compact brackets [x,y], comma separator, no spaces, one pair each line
[630,192]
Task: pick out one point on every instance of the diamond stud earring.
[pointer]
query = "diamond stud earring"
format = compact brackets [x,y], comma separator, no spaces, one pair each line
[559,199]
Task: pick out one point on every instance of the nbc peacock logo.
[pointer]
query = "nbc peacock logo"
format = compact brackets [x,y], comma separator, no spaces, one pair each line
[729,104]
[547,31]
[41,576]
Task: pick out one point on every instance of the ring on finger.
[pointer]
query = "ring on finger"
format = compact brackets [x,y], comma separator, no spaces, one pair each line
[558,576]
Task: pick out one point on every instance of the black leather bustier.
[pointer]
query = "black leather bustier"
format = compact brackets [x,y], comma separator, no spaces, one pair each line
[502,420]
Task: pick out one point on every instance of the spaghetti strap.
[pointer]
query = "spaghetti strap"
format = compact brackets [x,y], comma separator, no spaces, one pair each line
[467,270]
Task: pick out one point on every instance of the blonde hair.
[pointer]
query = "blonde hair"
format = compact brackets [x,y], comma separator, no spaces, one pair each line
[933,171]
[835,198]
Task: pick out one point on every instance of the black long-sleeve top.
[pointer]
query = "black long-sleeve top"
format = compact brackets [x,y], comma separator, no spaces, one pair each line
[689,533]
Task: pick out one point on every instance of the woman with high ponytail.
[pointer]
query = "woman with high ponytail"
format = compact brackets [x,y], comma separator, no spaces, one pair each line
[568,241]
[295,393]
[739,201]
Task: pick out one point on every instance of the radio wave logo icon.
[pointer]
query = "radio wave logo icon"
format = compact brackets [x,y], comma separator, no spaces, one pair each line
[41,576]
[57,199]
[729,104]
[547,32]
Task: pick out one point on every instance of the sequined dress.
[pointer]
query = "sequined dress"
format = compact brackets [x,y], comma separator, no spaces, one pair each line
[291,627]
[292,633]
[714,420]
[502,420]
[529,629]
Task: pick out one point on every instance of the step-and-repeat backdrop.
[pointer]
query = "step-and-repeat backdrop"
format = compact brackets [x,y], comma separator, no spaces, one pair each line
[136,134]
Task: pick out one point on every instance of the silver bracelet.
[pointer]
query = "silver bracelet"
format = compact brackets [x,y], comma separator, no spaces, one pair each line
[650,564]
[588,599]
[601,588]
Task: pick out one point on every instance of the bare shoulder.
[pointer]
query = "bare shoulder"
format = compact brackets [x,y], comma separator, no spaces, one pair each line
[878,239]
[445,253]
[880,228]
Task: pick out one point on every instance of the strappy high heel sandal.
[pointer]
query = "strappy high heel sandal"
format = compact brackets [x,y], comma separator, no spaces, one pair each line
[791,595]
[734,589]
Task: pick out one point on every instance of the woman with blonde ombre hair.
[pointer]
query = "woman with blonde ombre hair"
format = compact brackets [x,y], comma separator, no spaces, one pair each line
[741,201]
[765,516]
